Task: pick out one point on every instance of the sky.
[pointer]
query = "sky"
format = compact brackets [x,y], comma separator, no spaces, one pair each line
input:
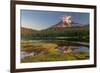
[39,20]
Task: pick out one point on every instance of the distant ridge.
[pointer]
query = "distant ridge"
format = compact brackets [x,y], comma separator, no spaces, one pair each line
[27,31]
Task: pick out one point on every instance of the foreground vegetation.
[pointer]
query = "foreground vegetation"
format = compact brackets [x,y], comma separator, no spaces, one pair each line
[56,56]
[46,51]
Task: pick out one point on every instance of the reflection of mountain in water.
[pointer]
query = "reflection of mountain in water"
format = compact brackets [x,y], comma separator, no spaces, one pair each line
[73,48]
[64,49]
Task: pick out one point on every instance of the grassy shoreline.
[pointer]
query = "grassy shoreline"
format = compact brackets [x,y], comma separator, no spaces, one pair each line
[46,51]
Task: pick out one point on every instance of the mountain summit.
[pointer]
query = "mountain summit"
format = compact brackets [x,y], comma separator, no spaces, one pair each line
[66,21]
